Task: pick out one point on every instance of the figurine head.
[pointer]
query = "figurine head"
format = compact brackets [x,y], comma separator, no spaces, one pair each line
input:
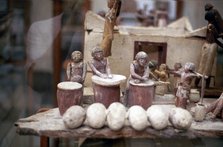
[210,17]
[189,67]
[163,67]
[97,53]
[110,3]
[76,56]
[142,58]
[177,66]
[208,7]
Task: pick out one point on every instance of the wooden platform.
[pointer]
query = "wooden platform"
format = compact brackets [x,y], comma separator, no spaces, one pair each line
[50,124]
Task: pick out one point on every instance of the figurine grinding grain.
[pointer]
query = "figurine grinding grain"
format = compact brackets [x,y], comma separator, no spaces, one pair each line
[183,90]
[100,65]
[110,20]
[139,70]
[76,69]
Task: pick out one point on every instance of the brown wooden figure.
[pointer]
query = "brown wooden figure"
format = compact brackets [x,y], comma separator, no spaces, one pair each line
[163,80]
[99,65]
[162,73]
[209,48]
[110,20]
[76,69]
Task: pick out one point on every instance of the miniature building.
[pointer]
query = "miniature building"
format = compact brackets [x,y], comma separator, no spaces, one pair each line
[175,43]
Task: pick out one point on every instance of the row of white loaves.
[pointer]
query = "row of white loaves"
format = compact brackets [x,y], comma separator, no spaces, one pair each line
[117,116]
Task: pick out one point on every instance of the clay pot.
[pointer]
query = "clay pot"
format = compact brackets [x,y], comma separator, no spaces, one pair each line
[107,91]
[68,94]
[194,95]
[141,94]
[200,112]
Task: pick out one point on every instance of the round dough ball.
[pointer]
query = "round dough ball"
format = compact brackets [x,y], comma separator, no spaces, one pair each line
[96,115]
[157,117]
[116,114]
[180,118]
[74,117]
[137,118]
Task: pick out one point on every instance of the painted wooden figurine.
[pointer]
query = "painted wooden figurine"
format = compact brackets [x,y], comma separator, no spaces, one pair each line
[209,48]
[99,64]
[163,80]
[177,69]
[139,70]
[76,69]
[110,20]
[140,89]
[184,87]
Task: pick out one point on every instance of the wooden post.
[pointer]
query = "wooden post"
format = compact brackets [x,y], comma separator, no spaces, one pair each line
[44,141]
[179,12]
[57,9]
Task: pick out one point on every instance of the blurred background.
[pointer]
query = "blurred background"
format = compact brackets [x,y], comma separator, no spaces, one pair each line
[37,38]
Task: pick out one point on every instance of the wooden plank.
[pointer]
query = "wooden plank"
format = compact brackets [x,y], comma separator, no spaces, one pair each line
[50,124]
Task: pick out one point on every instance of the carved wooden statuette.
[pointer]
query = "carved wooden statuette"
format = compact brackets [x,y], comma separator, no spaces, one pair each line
[184,87]
[163,80]
[99,65]
[106,86]
[76,69]
[139,71]
[110,20]
[140,89]
[209,48]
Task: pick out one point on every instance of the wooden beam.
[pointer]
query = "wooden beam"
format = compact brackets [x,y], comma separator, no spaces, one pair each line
[57,9]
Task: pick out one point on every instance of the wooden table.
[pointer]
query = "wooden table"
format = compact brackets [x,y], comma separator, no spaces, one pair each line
[49,124]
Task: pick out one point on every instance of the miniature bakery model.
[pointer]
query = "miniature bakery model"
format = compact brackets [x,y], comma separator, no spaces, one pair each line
[140,102]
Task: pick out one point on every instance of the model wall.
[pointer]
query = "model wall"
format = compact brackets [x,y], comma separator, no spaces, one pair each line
[179,49]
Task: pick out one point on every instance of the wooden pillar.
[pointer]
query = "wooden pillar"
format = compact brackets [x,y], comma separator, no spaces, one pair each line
[57,9]
[179,10]
[44,141]
[87,5]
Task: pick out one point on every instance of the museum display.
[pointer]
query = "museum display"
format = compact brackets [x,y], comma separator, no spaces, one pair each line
[155,101]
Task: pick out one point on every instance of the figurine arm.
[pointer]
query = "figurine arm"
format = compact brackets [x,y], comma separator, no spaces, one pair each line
[215,33]
[95,71]
[160,73]
[84,72]
[108,69]
[133,74]
[68,70]
[146,73]
[176,73]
